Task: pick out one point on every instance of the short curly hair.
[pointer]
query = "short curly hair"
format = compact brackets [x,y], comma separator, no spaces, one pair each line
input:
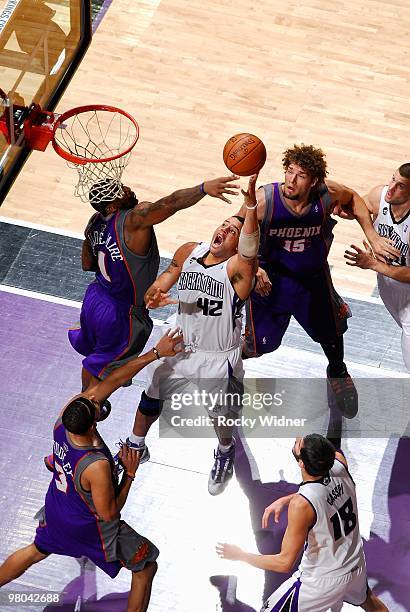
[311,159]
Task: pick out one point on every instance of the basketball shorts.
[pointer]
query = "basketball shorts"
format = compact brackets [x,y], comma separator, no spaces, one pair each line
[110,332]
[314,303]
[319,594]
[130,549]
[396,298]
[196,372]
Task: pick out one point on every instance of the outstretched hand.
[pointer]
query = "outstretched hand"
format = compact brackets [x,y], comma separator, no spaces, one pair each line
[159,299]
[129,459]
[229,551]
[263,284]
[383,249]
[250,194]
[217,187]
[171,343]
[274,508]
[360,258]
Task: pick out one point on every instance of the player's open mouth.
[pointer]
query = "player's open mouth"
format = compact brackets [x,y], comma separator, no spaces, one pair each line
[218,240]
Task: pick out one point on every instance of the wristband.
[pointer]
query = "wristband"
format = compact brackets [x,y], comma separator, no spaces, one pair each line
[248,244]
[202,189]
[252,207]
[156,353]
[131,476]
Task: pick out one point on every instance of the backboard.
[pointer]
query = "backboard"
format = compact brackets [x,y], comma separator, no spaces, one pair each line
[42,43]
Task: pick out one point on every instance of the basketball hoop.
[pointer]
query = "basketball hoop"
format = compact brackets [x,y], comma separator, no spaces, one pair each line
[97,141]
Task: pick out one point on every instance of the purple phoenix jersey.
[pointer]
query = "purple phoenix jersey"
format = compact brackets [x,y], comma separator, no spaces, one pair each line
[115,324]
[293,251]
[124,275]
[292,243]
[71,525]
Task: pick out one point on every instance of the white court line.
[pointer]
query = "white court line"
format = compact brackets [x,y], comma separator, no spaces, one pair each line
[61,232]
[165,254]
[41,227]
[40,296]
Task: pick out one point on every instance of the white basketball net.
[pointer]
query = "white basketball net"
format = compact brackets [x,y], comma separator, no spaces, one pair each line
[95,135]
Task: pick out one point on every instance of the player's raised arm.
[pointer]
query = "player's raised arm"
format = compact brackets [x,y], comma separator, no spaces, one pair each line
[349,199]
[300,518]
[242,267]
[89,260]
[97,478]
[168,346]
[364,258]
[146,214]
[157,294]
[260,198]
[276,508]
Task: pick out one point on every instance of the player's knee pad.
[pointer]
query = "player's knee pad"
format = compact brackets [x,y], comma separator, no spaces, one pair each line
[150,406]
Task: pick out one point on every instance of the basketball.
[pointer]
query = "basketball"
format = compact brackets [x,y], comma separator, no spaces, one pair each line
[244,154]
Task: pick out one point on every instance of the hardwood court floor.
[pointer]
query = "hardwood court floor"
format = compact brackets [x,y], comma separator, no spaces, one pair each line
[332,74]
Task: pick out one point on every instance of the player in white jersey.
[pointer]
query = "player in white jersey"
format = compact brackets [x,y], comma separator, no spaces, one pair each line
[323,523]
[213,280]
[390,207]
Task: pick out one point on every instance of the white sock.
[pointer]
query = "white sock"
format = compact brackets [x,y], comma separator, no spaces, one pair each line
[225,449]
[137,440]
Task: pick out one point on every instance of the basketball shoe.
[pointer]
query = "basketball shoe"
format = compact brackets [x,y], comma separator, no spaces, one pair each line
[342,391]
[143,450]
[226,586]
[222,470]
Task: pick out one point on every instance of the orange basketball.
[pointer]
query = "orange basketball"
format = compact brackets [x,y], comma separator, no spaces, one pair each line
[244,154]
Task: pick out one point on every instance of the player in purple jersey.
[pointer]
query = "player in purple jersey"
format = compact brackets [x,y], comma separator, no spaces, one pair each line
[120,246]
[81,515]
[296,234]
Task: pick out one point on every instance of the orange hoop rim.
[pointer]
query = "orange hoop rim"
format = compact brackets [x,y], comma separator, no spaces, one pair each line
[78,110]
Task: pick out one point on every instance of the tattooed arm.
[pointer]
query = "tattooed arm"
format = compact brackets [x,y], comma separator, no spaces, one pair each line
[157,295]
[146,214]
[88,259]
